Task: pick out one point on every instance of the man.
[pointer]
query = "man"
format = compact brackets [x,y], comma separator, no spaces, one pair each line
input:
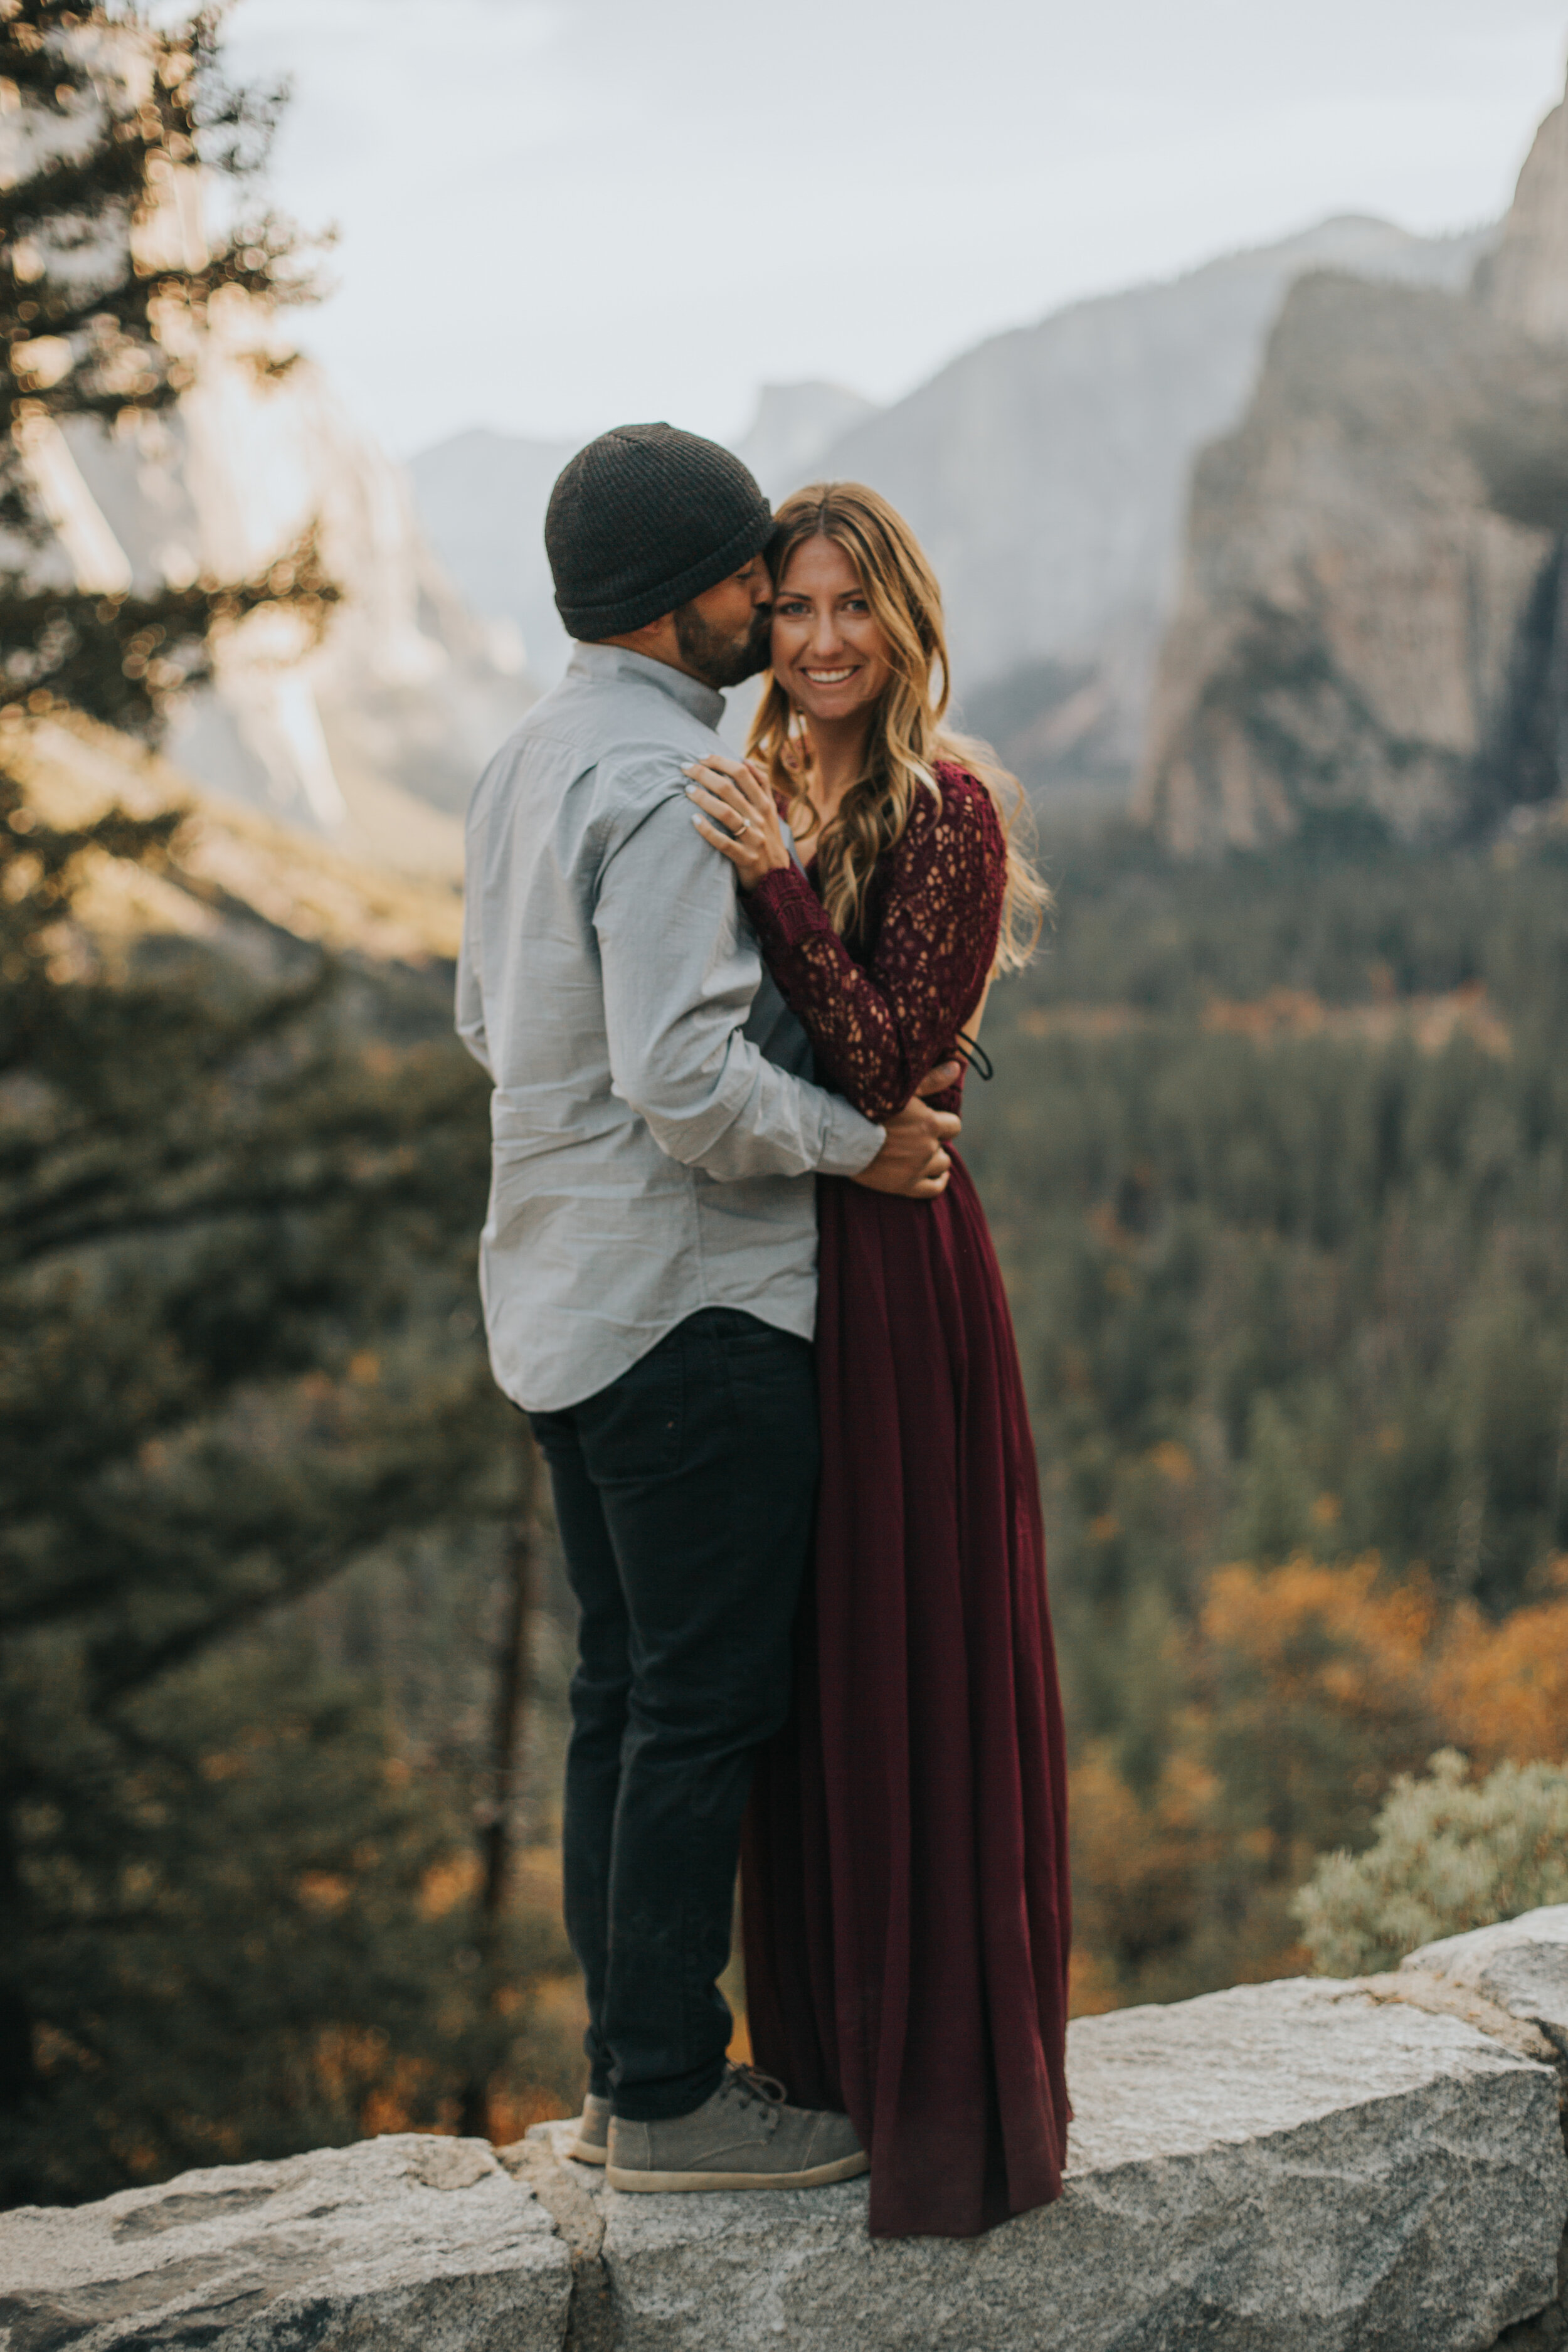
[649,1273]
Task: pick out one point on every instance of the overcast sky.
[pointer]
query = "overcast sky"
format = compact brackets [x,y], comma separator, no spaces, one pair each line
[559,213]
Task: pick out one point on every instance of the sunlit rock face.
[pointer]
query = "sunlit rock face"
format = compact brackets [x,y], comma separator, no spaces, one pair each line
[1520,1966]
[1368,623]
[1525,281]
[389,719]
[1371,616]
[397,709]
[481,497]
[401,2242]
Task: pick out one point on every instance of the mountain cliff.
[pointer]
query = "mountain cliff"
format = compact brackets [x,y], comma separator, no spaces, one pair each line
[794,425]
[1371,619]
[372,739]
[1044,471]
[1525,281]
[481,497]
[372,736]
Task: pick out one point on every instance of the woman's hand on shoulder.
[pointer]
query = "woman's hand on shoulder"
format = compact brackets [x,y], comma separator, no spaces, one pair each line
[735,812]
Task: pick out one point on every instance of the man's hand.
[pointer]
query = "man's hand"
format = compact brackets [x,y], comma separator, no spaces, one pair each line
[914,1162]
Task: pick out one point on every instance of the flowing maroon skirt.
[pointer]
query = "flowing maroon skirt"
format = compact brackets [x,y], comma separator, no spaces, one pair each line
[904,1879]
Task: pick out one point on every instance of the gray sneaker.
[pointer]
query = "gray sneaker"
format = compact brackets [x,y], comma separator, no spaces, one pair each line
[592,2141]
[742,2138]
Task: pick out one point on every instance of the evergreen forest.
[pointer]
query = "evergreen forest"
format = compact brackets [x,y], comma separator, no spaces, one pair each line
[1276,1157]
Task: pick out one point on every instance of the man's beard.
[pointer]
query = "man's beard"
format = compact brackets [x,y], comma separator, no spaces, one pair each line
[721,661]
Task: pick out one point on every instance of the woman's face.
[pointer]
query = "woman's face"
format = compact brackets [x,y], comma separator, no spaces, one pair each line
[828,654]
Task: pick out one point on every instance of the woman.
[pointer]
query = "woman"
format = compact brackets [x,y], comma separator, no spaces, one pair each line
[905,1879]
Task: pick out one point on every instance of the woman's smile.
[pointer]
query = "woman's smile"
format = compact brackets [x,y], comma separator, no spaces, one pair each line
[828,653]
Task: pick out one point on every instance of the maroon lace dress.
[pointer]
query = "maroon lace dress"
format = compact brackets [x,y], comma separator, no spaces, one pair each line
[905,1870]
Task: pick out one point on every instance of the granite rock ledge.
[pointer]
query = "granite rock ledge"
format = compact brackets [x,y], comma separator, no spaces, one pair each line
[1300,2166]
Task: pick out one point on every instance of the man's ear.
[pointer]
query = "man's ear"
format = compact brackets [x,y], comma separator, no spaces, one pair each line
[656,638]
[654,633]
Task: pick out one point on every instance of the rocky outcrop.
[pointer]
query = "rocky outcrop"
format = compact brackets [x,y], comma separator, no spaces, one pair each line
[1517,1969]
[1370,617]
[1046,472]
[1372,614]
[1520,1966]
[1307,2165]
[401,2242]
[1524,280]
[407,696]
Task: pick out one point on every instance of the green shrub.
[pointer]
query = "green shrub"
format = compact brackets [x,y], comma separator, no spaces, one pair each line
[1449,1854]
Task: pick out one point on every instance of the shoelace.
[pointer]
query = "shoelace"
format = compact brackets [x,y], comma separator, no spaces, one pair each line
[753,2089]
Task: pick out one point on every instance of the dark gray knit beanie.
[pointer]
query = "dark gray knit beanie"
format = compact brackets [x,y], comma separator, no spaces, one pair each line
[643,519]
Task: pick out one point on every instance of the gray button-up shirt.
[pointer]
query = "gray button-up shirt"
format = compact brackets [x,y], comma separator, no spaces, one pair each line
[655,1138]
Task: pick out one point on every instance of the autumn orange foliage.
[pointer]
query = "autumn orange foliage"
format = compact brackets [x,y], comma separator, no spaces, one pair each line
[1308,1686]
[1502,1690]
[1136,1870]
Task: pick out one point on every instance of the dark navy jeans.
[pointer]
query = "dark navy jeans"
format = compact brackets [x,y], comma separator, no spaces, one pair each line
[684,1495]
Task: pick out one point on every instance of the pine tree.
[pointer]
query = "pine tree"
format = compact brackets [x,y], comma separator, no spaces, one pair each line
[236,1354]
[113,126]
[237,1201]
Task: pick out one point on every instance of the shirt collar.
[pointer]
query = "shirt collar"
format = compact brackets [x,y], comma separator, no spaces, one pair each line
[602,663]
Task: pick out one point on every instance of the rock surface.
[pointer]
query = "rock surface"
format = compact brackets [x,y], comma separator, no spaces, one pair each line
[1525,279]
[1519,1970]
[1374,612]
[398,708]
[1281,2164]
[1296,2165]
[403,2241]
[1522,1965]
[1371,615]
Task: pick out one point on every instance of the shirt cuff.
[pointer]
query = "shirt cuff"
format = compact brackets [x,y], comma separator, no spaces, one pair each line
[849,1143]
[784,908]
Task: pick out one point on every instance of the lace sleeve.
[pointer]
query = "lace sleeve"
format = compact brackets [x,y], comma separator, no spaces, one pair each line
[877,1030]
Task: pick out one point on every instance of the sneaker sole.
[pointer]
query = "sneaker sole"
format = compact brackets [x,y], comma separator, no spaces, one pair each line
[585,2152]
[816,2176]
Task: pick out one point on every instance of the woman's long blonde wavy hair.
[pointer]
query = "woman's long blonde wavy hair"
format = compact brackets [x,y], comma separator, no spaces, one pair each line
[906,738]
